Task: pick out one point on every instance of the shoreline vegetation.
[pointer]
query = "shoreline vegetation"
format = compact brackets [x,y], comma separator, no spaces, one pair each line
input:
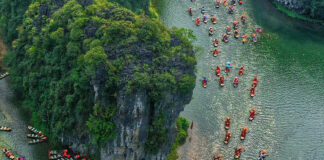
[295,15]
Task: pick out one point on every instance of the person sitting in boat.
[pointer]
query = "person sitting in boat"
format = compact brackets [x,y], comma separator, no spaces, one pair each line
[190,11]
[227,68]
[228,30]
[243,18]
[211,31]
[227,137]
[254,37]
[215,42]
[244,39]
[213,19]
[255,80]
[218,3]
[238,152]
[215,52]
[233,2]
[203,10]
[259,30]
[225,38]
[198,21]
[241,72]
[263,155]
[252,91]
[205,81]
[221,80]
[231,9]
[218,71]
[205,19]
[236,34]
[235,24]
[236,81]
[219,156]
[243,133]
[252,114]
[240,2]
[227,123]
[225,2]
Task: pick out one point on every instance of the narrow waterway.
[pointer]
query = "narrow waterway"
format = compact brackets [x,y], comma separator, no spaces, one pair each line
[289,96]
[11,116]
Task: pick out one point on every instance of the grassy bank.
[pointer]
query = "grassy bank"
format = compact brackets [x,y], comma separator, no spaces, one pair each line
[182,127]
[293,14]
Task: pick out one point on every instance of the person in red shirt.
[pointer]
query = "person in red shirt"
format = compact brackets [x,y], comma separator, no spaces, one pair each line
[227,123]
[238,152]
[215,52]
[243,133]
[227,137]
[241,72]
[252,114]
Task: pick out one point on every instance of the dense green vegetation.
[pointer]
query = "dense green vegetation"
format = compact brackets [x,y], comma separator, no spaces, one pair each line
[182,134]
[11,16]
[64,49]
[135,5]
[313,10]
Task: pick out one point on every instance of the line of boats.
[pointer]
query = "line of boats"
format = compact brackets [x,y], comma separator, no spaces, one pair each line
[3,128]
[37,136]
[10,155]
[64,155]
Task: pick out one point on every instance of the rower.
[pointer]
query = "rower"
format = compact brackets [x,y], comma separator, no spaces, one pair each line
[227,123]
[203,10]
[255,81]
[205,81]
[215,52]
[213,19]
[236,81]
[236,34]
[218,71]
[235,24]
[190,11]
[243,18]
[233,2]
[225,3]
[225,38]
[244,39]
[252,114]
[240,2]
[227,137]
[259,30]
[221,80]
[198,21]
[254,37]
[243,133]
[219,156]
[241,70]
[263,155]
[211,31]
[228,30]
[205,19]
[227,69]
[238,152]
[215,42]
[230,9]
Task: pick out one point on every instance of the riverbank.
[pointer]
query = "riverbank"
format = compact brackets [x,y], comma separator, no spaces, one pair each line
[293,14]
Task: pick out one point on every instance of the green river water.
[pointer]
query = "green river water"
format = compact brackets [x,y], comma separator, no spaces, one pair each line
[289,96]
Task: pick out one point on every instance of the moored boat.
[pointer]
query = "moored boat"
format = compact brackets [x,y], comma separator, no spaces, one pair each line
[34,130]
[3,128]
[40,140]
[33,136]
[2,76]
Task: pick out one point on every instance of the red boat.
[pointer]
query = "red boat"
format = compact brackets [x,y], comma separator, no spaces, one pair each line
[227,70]
[205,83]
[227,137]
[215,52]
[216,43]
[190,11]
[218,71]
[198,21]
[252,114]
[241,72]
[221,81]
[252,92]
[227,123]
[243,133]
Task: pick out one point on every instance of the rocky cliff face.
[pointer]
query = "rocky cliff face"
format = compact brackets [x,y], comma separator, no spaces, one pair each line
[296,5]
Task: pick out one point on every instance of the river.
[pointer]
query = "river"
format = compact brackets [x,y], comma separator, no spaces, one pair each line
[12,116]
[290,92]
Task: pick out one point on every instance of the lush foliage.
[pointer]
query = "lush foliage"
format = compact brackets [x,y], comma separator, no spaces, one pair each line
[11,16]
[65,50]
[135,5]
[182,134]
[313,10]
